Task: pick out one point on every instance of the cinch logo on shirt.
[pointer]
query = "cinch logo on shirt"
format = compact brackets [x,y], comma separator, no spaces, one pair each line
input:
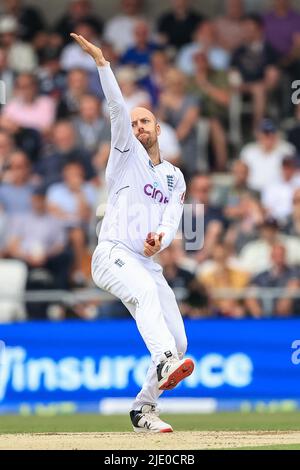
[156,194]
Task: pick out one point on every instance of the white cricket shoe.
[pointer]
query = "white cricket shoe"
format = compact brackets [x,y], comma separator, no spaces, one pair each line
[147,420]
[172,370]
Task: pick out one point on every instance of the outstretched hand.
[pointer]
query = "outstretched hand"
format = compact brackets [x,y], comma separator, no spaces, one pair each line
[94,51]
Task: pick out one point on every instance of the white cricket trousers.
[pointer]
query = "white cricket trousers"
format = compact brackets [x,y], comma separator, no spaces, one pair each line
[142,288]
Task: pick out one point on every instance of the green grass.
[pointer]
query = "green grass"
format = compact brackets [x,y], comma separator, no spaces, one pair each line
[197,422]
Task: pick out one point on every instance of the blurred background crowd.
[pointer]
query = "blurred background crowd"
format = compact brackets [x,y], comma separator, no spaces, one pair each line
[225,91]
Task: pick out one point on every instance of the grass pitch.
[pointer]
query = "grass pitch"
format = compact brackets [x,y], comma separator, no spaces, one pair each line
[216,431]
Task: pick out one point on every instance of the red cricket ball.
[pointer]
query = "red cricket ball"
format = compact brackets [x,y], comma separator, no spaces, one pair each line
[150,238]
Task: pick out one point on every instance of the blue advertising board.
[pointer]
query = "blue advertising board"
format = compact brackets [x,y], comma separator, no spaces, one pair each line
[86,362]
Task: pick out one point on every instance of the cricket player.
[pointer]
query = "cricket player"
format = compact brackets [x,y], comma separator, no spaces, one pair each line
[144,208]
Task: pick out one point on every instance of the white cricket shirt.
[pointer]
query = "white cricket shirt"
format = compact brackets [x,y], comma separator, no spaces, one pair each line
[142,198]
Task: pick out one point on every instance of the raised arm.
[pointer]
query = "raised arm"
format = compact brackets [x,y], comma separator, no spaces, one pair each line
[121,131]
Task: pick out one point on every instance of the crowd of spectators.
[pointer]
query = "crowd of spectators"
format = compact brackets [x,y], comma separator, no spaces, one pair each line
[222,90]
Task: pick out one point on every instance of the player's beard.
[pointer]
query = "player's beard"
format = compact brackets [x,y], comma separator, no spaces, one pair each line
[146,143]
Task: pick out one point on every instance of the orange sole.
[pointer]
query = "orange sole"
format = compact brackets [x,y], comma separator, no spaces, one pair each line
[178,375]
[166,430]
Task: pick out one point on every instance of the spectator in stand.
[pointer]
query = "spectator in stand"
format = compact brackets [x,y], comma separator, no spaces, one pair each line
[77,87]
[17,188]
[292,226]
[205,220]
[139,55]
[7,77]
[239,187]
[39,239]
[160,65]
[204,40]
[282,29]
[6,149]
[28,109]
[242,208]
[78,10]
[73,56]
[244,228]
[169,144]
[133,94]
[189,293]
[255,256]
[212,88]
[282,32]
[279,275]
[264,157]
[73,202]
[176,27]
[256,65]
[119,30]
[277,198]
[29,18]
[181,111]
[223,275]
[92,129]
[46,41]
[52,79]
[21,55]
[65,149]
[229,27]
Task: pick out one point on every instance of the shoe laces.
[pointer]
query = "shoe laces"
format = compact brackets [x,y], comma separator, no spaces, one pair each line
[169,360]
[152,414]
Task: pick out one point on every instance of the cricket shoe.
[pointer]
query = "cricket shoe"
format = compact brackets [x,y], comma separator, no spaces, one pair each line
[147,420]
[172,370]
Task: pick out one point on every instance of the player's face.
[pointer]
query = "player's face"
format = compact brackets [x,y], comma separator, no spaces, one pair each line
[145,127]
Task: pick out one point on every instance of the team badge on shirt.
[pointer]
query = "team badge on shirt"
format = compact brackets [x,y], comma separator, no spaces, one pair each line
[170,181]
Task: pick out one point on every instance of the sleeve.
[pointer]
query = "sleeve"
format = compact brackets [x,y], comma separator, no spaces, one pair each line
[122,137]
[173,213]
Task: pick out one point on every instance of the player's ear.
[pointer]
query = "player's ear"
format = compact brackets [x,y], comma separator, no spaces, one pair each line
[158,129]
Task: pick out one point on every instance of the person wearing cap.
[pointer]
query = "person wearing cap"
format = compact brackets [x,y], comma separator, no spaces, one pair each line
[264,156]
[277,198]
[21,56]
